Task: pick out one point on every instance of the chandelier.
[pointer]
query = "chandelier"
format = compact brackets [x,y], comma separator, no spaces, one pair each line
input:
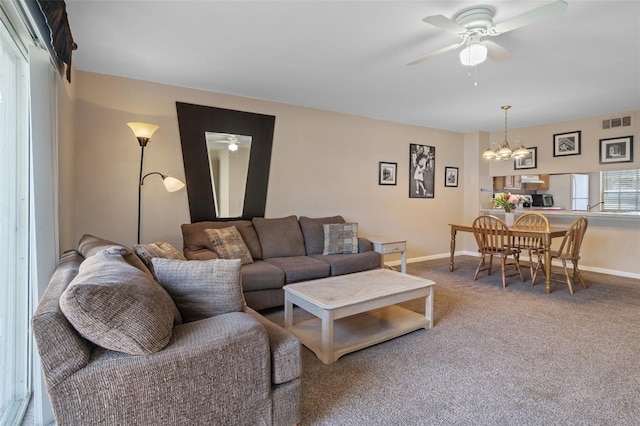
[504,151]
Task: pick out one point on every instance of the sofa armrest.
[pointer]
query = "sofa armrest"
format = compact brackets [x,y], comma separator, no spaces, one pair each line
[364,245]
[211,371]
[286,360]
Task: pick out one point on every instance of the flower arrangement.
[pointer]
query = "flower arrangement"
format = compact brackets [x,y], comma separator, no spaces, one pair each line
[508,201]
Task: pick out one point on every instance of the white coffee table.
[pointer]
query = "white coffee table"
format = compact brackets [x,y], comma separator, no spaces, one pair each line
[355,311]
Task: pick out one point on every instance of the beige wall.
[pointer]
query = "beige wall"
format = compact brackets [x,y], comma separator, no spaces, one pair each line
[66,166]
[323,163]
[588,161]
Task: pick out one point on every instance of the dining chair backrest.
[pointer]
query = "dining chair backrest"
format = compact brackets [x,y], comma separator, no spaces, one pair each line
[491,234]
[570,246]
[531,220]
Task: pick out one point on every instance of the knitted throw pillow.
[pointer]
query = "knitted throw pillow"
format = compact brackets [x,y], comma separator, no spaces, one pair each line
[202,288]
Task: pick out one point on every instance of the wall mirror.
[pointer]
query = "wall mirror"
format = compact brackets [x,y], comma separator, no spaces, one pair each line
[222,188]
[228,164]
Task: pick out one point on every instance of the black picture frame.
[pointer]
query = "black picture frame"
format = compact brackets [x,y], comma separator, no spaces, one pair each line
[568,143]
[387,173]
[529,161]
[616,150]
[451,176]
[422,166]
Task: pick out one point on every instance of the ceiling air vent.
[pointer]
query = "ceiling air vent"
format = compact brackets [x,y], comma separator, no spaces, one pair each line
[612,123]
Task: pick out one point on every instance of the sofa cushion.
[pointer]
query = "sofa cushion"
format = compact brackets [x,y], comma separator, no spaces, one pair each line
[313,232]
[146,252]
[202,288]
[228,244]
[340,238]
[90,245]
[279,237]
[195,238]
[200,254]
[349,263]
[117,306]
[300,268]
[261,275]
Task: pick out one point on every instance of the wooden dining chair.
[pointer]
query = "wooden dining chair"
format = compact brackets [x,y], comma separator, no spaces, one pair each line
[534,245]
[570,250]
[494,239]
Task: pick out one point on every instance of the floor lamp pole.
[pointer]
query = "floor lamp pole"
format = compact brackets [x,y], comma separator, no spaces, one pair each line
[140,187]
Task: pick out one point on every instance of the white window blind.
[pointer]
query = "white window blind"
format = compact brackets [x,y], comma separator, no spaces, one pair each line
[14,229]
[620,189]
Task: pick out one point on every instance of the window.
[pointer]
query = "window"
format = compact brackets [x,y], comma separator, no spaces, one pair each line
[14,230]
[620,189]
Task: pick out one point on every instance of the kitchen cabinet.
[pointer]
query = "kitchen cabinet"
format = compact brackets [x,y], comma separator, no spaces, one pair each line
[538,186]
[515,182]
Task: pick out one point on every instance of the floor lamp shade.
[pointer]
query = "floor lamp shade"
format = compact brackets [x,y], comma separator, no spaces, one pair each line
[143,131]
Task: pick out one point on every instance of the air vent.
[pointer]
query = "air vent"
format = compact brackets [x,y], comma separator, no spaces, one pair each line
[612,123]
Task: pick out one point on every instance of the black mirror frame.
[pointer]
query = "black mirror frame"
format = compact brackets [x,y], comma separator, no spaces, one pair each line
[193,122]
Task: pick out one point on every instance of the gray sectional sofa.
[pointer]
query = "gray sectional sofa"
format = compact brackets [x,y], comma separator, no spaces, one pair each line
[150,367]
[284,251]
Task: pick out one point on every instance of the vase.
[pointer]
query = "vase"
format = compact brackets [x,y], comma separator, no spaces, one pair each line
[508,218]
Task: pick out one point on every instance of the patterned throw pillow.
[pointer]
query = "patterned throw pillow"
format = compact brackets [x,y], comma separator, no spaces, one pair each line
[146,252]
[228,243]
[202,288]
[340,238]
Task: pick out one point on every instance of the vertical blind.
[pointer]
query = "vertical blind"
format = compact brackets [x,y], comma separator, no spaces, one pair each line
[620,189]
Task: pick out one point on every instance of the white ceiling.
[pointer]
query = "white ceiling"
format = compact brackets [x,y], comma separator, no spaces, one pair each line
[351,57]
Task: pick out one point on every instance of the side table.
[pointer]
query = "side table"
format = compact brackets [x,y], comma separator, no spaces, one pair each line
[387,245]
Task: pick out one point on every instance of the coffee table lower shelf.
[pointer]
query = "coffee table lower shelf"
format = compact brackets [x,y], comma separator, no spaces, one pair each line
[359,331]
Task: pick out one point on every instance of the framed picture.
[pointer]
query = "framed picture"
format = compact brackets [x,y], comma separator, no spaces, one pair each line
[450,176]
[422,166]
[387,173]
[566,144]
[616,150]
[529,161]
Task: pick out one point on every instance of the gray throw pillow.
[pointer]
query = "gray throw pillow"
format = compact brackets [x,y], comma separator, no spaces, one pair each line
[202,288]
[340,238]
[115,305]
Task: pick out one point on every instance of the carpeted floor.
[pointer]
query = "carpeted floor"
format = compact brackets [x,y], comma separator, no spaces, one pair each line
[514,356]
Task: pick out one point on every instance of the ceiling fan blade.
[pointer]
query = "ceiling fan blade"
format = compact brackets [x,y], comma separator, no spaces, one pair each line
[445,23]
[436,53]
[549,11]
[495,51]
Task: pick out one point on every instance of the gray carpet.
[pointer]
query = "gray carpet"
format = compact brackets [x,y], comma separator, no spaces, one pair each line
[514,356]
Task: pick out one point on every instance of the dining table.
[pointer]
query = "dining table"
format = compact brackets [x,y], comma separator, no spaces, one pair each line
[547,236]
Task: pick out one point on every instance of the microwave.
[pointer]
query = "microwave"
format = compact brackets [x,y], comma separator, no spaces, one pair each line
[542,200]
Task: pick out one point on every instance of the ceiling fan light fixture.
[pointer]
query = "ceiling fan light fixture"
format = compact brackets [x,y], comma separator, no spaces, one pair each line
[473,55]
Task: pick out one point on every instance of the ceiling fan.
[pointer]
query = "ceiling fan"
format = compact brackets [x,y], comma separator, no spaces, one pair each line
[473,23]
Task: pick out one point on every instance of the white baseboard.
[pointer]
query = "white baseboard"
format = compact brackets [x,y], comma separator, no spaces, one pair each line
[476,254]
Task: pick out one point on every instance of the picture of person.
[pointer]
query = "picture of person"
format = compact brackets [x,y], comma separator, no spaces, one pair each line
[418,175]
[421,170]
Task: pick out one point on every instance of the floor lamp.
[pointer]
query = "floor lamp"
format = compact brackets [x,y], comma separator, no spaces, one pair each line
[143,132]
